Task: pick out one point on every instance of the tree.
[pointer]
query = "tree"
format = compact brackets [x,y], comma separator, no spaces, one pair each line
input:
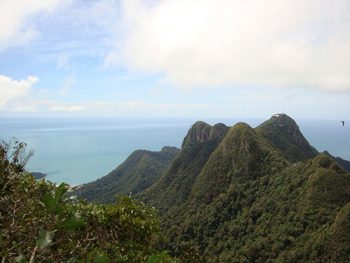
[39,222]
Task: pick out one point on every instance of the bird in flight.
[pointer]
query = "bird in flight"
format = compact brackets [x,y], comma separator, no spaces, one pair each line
[343,122]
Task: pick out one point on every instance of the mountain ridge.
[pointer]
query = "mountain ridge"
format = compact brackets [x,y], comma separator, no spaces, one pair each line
[243,194]
[283,132]
[140,170]
[197,146]
[342,162]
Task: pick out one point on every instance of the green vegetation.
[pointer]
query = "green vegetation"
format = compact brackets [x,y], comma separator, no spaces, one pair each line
[230,195]
[343,163]
[284,134]
[254,195]
[175,186]
[284,216]
[39,223]
[140,170]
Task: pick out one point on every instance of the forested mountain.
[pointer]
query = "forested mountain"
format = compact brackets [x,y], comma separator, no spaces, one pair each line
[244,194]
[139,171]
[175,186]
[284,134]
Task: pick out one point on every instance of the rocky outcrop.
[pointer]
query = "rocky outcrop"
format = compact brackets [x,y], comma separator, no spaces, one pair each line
[201,132]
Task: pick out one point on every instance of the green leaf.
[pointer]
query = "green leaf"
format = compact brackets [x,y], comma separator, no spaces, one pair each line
[60,191]
[71,223]
[49,202]
[52,203]
[45,238]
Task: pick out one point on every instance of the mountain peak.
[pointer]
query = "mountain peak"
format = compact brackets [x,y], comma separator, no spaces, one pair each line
[202,131]
[282,122]
[218,131]
[283,132]
[169,149]
[282,119]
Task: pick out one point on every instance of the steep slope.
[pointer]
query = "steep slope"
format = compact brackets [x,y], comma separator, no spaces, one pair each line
[252,202]
[174,187]
[287,214]
[254,195]
[242,153]
[284,134]
[140,170]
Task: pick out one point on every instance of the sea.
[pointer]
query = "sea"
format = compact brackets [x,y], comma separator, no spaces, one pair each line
[77,151]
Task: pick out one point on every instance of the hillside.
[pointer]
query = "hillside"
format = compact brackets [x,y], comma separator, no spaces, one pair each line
[139,171]
[253,201]
[284,134]
[286,215]
[244,194]
[262,194]
[174,187]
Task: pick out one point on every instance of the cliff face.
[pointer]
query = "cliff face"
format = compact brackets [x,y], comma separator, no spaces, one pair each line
[202,132]
[175,186]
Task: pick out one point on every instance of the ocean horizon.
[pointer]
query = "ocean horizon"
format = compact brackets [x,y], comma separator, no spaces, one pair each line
[78,151]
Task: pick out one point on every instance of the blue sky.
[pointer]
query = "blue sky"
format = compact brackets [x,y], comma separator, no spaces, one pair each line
[167,58]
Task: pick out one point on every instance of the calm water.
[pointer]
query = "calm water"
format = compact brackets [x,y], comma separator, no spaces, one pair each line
[79,151]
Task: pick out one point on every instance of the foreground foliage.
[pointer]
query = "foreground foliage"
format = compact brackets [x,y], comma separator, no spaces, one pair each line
[38,222]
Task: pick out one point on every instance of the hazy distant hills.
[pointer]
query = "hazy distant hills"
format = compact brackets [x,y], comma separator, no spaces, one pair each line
[38,175]
[241,194]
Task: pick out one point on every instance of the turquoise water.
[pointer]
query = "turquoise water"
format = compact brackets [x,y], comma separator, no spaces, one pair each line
[81,150]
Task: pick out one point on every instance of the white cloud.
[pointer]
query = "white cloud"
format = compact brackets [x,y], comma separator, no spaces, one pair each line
[281,43]
[12,90]
[21,96]
[15,25]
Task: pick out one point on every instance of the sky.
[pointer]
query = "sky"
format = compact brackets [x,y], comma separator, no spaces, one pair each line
[175,58]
